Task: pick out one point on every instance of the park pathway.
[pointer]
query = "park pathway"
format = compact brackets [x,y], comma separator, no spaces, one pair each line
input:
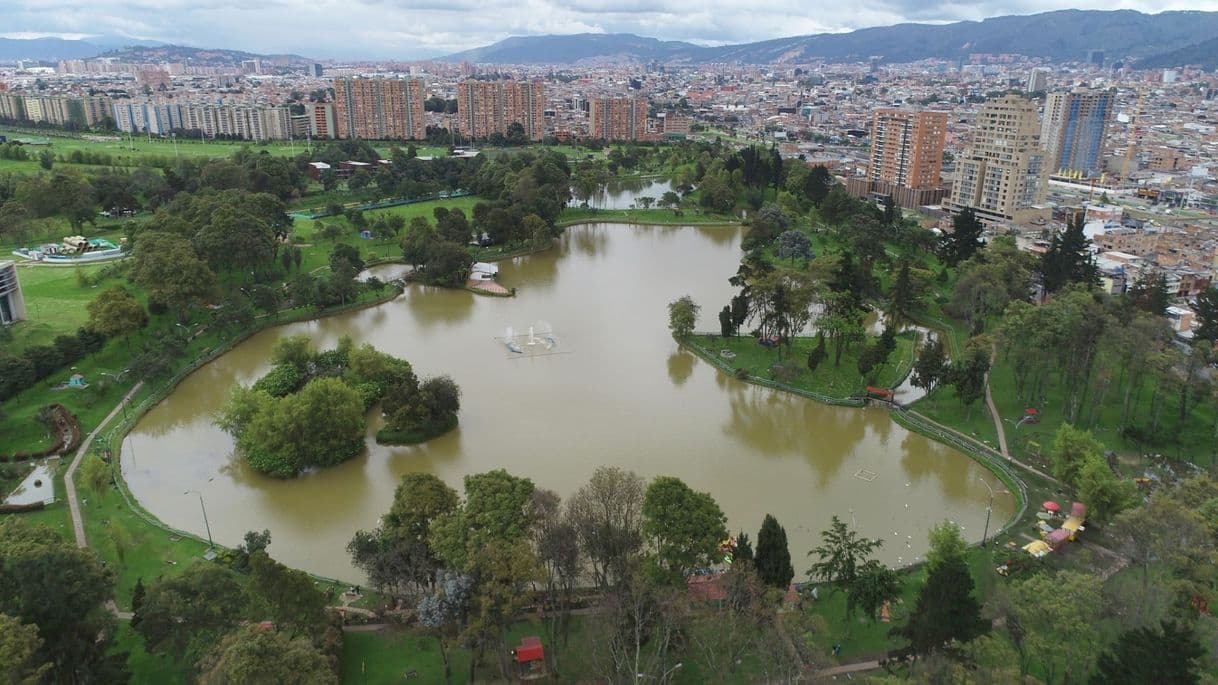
[69,484]
[846,670]
[989,402]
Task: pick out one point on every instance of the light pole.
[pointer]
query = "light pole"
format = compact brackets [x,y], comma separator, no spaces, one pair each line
[989,507]
[210,544]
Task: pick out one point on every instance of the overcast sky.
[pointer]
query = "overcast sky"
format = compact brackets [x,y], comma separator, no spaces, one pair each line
[411,29]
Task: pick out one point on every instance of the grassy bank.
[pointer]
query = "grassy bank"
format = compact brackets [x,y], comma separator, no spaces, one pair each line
[840,381]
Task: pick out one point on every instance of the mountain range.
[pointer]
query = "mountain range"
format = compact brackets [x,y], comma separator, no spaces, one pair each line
[60,48]
[1062,35]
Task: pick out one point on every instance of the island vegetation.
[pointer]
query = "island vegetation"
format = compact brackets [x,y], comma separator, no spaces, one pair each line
[310,409]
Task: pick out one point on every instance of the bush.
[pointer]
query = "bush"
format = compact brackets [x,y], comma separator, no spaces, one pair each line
[281,380]
[415,434]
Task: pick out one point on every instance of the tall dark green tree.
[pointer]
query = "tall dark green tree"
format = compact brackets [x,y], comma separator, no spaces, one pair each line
[1145,656]
[842,555]
[1068,259]
[946,611]
[1150,294]
[891,213]
[744,548]
[902,300]
[773,554]
[965,238]
[1207,314]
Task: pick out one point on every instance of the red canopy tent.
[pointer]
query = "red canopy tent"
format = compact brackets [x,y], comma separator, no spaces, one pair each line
[1052,506]
[530,649]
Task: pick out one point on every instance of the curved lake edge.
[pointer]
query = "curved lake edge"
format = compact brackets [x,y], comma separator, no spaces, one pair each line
[116,434]
[901,415]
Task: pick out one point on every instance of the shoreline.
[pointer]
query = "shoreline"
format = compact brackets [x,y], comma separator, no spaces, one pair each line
[117,432]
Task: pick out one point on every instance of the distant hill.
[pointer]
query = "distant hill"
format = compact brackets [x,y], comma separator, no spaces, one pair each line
[1204,53]
[46,49]
[575,48]
[197,56]
[1061,36]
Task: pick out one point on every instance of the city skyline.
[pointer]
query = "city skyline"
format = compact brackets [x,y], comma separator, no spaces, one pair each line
[430,29]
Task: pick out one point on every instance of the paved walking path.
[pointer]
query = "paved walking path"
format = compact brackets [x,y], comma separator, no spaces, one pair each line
[989,402]
[846,669]
[69,485]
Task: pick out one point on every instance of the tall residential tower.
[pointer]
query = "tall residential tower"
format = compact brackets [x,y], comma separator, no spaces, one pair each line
[1073,130]
[378,109]
[486,107]
[1002,173]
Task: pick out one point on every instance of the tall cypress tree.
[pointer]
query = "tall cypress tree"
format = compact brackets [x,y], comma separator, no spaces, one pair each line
[965,238]
[1207,314]
[744,548]
[946,609]
[1068,259]
[773,555]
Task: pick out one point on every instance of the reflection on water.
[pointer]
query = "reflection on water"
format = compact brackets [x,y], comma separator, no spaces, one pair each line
[619,392]
[623,193]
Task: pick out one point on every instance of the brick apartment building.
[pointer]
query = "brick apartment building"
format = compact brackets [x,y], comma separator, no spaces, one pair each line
[486,107]
[378,109]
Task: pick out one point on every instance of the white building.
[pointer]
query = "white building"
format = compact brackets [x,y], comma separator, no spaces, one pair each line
[12,303]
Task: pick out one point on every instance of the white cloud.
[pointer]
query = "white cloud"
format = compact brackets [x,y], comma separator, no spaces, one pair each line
[410,29]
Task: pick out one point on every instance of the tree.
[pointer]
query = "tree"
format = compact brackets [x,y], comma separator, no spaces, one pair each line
[968,374]
[1052,619]
[773,559]
[445,610]
[496,509]
[744,549]
[902,299]
[931,365]
[782,303]
[741,626]
[116,312]
[19,645]
[1207,314]
[46,159]
[792,245]
[49,583]
[682,316]
[1150,294]
[946,613]
[638,632]
[293,602]
[875,586]
[1068,259]
[169,269]
[684,527]
[965,238]
[841,554]
[891,214]
[1146,656]
[255,655]
[1104,493]
[817,354]
[321,425]
[607,513]
[726,329]
[187,614]
[1072,449]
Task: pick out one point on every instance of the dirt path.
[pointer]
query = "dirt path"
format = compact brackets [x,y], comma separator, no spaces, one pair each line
[989,402]
[69,484]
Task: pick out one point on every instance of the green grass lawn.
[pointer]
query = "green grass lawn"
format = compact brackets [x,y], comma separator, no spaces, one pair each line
[55,301]
[149,669]
[384,657]
[842,380]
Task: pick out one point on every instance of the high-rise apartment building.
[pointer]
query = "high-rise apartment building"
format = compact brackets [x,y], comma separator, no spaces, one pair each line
[1002,173]
[906,158]
[486,107]
[321,119]
[1038,81]
[907,147]
[1073,129]
[378,109]
[621,118]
